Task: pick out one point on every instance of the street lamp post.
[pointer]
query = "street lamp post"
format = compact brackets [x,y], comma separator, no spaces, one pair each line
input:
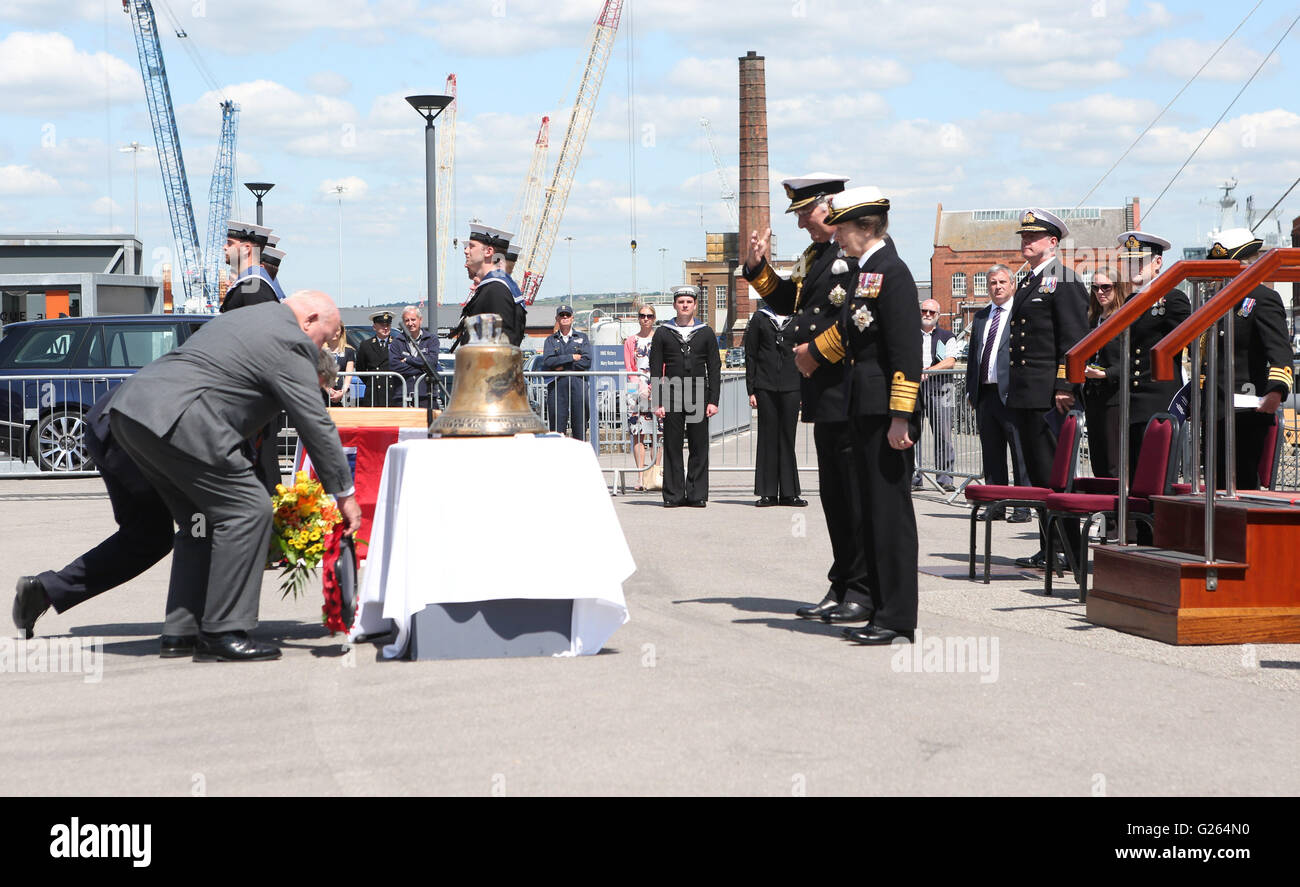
[259,190]
[429,107]
[663,269]
[338,190]
[135,148]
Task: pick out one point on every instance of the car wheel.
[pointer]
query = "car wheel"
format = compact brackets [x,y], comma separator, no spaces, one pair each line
[57,443]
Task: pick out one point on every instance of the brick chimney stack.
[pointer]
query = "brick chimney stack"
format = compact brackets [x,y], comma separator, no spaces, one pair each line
[755,209]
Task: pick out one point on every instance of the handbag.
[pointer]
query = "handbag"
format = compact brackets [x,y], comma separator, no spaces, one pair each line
[653,477]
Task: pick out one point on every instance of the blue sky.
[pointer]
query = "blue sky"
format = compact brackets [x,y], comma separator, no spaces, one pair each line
[974,105]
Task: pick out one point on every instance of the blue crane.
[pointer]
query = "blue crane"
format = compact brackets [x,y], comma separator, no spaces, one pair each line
[198,272]
[220,195]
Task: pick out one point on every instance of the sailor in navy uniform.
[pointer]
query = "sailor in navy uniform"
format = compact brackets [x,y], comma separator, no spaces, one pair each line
[251,285]
[685,383]
[567,350]
[372,356]
[805,295]
[271,258]
[496,292]
[875,336]
[772,382]
[1262,361]
[1142,255]
[512,257]
[1049,314]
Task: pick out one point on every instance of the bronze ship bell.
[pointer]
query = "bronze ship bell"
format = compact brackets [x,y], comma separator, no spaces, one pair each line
[489,397]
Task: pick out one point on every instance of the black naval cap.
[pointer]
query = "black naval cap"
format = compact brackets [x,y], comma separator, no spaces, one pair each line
[382,317]
[856,203]
[272,256]
[488,236]
[564,309]
[1139,244]
[1235,243]
[804,190]
[256,234]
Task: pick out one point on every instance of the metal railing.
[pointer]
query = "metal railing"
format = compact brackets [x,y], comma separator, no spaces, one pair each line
[42,422]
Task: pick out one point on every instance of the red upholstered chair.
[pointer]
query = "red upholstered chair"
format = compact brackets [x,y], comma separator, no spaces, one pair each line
[990,497]
[1152,478]
[1269,458]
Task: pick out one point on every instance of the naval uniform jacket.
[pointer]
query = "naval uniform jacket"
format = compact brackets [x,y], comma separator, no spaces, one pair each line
[252,289]
[1049,315]
[493,296]
[674,355]
[1262,354]
[875,335]
[769,354]
[558,355]
[372,356]
[1146,395]
[806,296]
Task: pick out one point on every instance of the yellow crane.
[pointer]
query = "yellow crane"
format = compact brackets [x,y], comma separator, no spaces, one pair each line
[529,202]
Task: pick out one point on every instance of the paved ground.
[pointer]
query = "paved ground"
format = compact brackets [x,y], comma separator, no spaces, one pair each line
[713,687]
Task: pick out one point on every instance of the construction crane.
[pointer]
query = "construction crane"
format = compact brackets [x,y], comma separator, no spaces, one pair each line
[220,194]
[529,203]
[167,139]
[446,171]
[557,195]
[728,196]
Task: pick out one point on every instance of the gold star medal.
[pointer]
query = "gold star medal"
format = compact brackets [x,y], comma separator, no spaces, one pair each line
[862,318]
[837,295]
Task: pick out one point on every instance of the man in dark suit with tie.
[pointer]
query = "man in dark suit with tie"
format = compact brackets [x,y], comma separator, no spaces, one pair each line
[1049,315]
[184,420]
[807,296]
[988,378]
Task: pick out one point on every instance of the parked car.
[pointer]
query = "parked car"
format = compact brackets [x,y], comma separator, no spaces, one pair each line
[78,360]
[735,357]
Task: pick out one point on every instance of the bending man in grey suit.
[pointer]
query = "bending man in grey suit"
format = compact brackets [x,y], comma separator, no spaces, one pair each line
[987,378]
[184,420]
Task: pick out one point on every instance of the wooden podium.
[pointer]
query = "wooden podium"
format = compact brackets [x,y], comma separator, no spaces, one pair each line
[1160,591]
[381,417]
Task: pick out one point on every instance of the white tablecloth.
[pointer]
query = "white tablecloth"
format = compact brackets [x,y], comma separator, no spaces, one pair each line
[473,519]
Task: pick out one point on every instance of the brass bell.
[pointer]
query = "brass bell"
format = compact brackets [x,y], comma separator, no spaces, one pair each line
[488,397]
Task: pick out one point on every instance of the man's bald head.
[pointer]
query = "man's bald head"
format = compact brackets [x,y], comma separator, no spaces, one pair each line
[929,314]
[316,314]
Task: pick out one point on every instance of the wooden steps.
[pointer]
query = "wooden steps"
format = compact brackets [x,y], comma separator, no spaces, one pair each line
[1160,592]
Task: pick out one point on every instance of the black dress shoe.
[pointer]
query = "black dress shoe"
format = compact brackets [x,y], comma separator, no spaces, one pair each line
[30,603]
[173,646]
[847,612]
[817,611]
[1019,516]
[673,504]
[696,503]
[765,502]
[948,487]
[793,501]
[232,646]
[877,636]
[1039,561]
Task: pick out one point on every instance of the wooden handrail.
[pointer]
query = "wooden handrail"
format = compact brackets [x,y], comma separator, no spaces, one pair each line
[1076,359]
[1266,268]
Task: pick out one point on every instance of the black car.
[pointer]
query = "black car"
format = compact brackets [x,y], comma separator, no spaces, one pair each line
[53,371]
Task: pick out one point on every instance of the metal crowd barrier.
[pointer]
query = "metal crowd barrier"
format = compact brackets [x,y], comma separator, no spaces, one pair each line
[42,422]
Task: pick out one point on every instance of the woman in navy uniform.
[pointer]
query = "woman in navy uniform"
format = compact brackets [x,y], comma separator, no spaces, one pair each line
[1262,359]
[773,386]
[685,384]
[875,337]
[1101,390]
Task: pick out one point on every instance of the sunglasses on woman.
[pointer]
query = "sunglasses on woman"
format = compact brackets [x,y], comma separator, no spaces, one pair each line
[1102,287]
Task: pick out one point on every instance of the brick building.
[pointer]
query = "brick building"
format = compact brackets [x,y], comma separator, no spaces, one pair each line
[712,273]
[968,242]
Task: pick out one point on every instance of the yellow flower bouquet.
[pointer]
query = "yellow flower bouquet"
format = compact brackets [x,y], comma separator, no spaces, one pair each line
[305,518]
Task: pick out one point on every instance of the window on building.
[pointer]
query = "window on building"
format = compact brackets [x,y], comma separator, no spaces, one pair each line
[1086,277]
[959,285]
[982,283]
[720,296]
[1021,276]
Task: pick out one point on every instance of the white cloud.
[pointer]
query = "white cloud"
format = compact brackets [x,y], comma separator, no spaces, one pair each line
[1182,57]
[268,109]
[329,83]
[106,206]
[46,73]
[25,181]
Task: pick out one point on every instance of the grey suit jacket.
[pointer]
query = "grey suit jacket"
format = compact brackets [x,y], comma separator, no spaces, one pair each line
[227,382]
[974,368]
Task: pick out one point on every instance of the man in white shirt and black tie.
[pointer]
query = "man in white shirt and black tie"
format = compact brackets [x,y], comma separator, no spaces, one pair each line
[987,379]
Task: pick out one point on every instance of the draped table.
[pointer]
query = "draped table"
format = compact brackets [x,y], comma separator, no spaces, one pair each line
[461,520]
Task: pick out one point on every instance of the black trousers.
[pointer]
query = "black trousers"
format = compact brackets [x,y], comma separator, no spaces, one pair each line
[693,484]
[837,481]
[776,472]
[143,537]
[566,404]
[1103,439]
[1040,451]
[1252,433]
[996,424]
[888,522]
